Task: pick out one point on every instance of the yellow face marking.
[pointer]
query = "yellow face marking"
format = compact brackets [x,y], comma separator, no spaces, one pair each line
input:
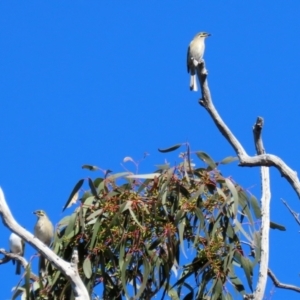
[203,34]
[39,213]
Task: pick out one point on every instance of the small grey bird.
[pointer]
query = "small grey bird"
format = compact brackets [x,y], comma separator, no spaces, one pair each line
[194,57]
[17,246]
[43,230]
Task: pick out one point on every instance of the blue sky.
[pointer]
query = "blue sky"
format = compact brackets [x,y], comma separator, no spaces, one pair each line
[92,82]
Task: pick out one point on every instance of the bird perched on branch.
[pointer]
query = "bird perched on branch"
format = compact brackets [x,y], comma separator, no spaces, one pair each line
[43,230]
[194,57]
[17,246]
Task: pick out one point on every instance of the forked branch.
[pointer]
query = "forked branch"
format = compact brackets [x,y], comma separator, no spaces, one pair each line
[267,160]
[278,284]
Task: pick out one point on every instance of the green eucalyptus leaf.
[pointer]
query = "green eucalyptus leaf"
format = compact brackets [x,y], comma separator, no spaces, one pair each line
[163,167]
[217,289]
[207,159]
[97,181]
[135,218]
[238,227]
[244,203]
[118,175]
[87,267]
[257,247]
[179,216]
[181,227]
[146,274]
[126,263]
[95,214]
[92,187]
[74,191]
[277,226]
[234,193]
[144,176]
[248,269]
[228,160]
[56,277]
[90,167]
[172,148]
[70,230]
[256,207]
[95,230]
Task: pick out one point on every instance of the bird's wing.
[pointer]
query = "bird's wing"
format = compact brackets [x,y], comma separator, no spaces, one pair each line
[187,60]
[23,248]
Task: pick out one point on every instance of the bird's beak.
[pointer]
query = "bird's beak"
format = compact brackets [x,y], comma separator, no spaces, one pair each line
[208,34]
[34,212]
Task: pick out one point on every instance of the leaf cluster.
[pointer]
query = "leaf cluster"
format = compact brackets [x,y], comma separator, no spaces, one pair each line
[133,234]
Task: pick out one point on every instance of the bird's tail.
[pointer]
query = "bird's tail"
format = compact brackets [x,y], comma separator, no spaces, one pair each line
[18,268]
[42,265]
[193,83]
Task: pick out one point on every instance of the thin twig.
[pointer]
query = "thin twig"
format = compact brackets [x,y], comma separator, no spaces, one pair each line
[278,284]
[295,215]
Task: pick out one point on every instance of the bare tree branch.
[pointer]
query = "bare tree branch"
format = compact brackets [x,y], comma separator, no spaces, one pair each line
[66,268]
[278,284]
[265,214]
[266,160]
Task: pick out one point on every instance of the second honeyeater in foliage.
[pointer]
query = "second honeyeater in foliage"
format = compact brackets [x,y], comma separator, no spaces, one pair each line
[43,230]
[16,245]
[194,57]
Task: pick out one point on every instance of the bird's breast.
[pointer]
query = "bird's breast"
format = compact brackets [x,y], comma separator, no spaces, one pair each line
[197,50]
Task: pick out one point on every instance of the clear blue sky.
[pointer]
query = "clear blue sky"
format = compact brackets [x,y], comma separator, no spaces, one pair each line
[90,82]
